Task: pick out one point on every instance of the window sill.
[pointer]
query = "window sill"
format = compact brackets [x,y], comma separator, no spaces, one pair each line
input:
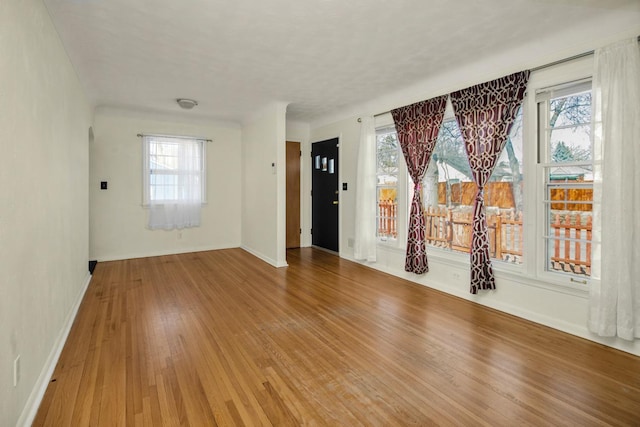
[504,271]
[391,244]
[562,283]
[148,205]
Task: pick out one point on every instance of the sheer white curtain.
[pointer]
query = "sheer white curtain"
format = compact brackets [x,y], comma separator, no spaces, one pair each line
[174,177]
[615,294]
[365,235]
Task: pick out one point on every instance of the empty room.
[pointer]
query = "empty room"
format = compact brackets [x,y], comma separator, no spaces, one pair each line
[319,212]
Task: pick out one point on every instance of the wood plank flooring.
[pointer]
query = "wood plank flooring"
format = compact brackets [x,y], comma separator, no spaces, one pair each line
[222,338]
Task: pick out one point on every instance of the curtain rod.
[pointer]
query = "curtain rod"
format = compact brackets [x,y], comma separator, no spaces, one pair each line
[571,58]
[140,135]
[538,68]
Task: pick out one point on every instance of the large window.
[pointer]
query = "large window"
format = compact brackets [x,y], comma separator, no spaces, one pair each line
[566,160]
[449,191]
[173,180]
[387,158]
[538,200]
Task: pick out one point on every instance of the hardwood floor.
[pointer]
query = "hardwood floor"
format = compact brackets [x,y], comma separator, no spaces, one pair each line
[221,338]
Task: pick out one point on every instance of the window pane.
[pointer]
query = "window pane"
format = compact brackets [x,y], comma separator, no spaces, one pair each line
[162,186]
[570,144]
[569,184]
[569,240]
[163,155]
[388,155]
[449,193]
[175,170]
[570,110]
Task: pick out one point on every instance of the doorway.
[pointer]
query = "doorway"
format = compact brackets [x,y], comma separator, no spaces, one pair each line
[324,194]
[293,195]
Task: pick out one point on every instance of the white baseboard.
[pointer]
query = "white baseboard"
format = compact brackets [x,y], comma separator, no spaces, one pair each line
[120,257]
[264,258]
[35,398]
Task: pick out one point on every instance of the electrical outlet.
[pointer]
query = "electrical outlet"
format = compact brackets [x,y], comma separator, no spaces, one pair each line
[16,371]
[456,275]
[350,242]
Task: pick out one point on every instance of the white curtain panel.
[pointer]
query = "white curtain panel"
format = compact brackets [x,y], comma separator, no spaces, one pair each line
[615,291]
[365,234]
[168,216]
[181,207]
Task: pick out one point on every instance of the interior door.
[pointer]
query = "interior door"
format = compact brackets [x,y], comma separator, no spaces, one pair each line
[293,194]
[324,194]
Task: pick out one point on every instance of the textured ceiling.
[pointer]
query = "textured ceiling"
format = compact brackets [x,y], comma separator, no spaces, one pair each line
[236,56]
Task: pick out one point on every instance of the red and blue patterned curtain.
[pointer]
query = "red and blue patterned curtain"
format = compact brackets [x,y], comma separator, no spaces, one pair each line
[417,126]
[485,113]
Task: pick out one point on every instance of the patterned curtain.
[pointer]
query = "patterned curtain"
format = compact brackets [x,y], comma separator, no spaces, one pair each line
[417,126]
[485,113]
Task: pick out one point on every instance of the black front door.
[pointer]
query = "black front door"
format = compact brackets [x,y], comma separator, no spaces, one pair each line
[324,194]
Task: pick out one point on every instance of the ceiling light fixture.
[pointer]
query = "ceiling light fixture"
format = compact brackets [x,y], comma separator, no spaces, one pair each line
[187,104]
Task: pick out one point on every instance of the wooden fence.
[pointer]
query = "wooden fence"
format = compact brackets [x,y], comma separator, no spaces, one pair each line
[452,229]
[571,199]
[500,194]
[572,243]
[387,214]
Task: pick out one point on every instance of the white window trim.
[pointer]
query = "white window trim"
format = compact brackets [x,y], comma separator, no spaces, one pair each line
[402,213]
[534,188]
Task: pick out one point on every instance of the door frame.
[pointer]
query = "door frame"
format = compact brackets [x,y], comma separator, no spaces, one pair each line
[299,198]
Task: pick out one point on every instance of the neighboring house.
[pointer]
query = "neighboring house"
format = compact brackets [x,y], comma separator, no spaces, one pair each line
[571,173]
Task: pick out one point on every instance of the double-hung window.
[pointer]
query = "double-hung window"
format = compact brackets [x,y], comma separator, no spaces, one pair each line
[174,176]
[566,165]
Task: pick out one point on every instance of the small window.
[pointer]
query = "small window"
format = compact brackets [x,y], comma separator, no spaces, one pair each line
[174,170]
[388,155]
[173,181]
[566,160]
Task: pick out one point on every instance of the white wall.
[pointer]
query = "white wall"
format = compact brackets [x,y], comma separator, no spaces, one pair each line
[44,219]
[263,184]
[119,222]
[297,131]
[534,300]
